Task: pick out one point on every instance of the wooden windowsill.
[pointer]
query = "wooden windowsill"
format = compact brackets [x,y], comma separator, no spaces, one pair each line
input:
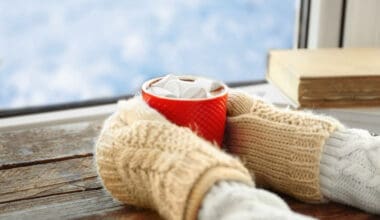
[47,170]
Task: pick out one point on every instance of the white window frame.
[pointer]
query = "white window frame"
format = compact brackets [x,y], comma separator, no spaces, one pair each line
[325,22]
[362,26]
[56,117]
[343,23]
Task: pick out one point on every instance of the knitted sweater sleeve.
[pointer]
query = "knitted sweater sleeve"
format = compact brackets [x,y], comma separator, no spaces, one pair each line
[228,200]
[350,169]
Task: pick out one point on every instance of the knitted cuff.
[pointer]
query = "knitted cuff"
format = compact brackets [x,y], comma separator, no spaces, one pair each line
[282,147]
[350,169]
[163,167]
[232,200]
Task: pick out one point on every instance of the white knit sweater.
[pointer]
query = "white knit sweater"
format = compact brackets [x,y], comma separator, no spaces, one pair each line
[232,200]
[350,169]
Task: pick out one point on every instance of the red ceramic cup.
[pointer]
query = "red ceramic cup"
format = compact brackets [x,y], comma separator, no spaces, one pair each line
[205,116]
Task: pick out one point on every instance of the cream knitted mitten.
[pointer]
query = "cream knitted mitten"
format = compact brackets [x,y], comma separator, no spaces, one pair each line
[350,169]
[282,147]
[146,161]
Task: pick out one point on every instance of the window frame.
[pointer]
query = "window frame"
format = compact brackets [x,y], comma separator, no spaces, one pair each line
[361,27]
[341,23]
[313,29]
[13,112]
[320,23]
[43,116]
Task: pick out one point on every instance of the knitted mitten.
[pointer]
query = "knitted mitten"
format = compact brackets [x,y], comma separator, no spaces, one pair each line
[350,169]
[282,147]
[146,161]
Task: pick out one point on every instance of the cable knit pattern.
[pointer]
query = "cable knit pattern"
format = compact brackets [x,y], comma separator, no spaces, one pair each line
[350,169]
[282,147]
[158,165]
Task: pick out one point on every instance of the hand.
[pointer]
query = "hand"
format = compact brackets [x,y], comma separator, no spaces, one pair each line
[146,161]
[281,147]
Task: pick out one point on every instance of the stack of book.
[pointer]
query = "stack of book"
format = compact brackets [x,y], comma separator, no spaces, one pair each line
[343,83]
[327,77]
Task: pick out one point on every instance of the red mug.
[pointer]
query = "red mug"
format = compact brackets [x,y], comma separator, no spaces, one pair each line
[204,116]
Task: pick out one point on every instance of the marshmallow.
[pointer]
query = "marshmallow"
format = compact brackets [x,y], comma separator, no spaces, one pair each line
[194,92]
[209,85]
[161,83]
[161,92]
[172,86]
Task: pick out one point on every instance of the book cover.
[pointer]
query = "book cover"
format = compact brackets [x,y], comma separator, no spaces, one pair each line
[327,77]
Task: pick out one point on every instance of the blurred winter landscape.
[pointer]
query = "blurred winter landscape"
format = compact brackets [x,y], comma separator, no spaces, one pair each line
[60,51]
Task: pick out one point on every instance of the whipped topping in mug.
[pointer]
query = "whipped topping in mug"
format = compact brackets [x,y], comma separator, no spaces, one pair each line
[172,86]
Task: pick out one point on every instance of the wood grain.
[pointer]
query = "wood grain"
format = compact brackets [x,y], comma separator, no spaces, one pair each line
[94,203]
[127,214]
[34,145]
[327,211]
[41,180]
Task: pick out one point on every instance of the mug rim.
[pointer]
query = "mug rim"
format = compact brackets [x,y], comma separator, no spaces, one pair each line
[147,83]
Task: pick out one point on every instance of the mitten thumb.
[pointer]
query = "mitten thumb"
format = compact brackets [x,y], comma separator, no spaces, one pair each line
[136,109]
[238,102]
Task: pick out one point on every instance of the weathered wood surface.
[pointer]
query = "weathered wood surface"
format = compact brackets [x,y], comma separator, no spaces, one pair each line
[90,204]
[49,172]
[36,145]
[40,180]
[326,211]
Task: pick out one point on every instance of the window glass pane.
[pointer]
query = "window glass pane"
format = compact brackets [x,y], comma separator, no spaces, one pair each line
[59,51]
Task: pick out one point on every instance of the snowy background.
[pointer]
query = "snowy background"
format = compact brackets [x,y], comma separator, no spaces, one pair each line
[54,51]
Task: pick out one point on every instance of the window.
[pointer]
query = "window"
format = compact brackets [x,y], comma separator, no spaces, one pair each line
[342,23]
[63,51]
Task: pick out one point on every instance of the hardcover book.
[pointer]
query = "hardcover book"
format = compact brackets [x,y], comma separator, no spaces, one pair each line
[318,78]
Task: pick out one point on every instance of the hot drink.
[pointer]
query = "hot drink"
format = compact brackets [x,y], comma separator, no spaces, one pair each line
[190,101]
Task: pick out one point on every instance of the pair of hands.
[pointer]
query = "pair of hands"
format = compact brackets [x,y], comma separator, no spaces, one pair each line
[146,161]
[136,110]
